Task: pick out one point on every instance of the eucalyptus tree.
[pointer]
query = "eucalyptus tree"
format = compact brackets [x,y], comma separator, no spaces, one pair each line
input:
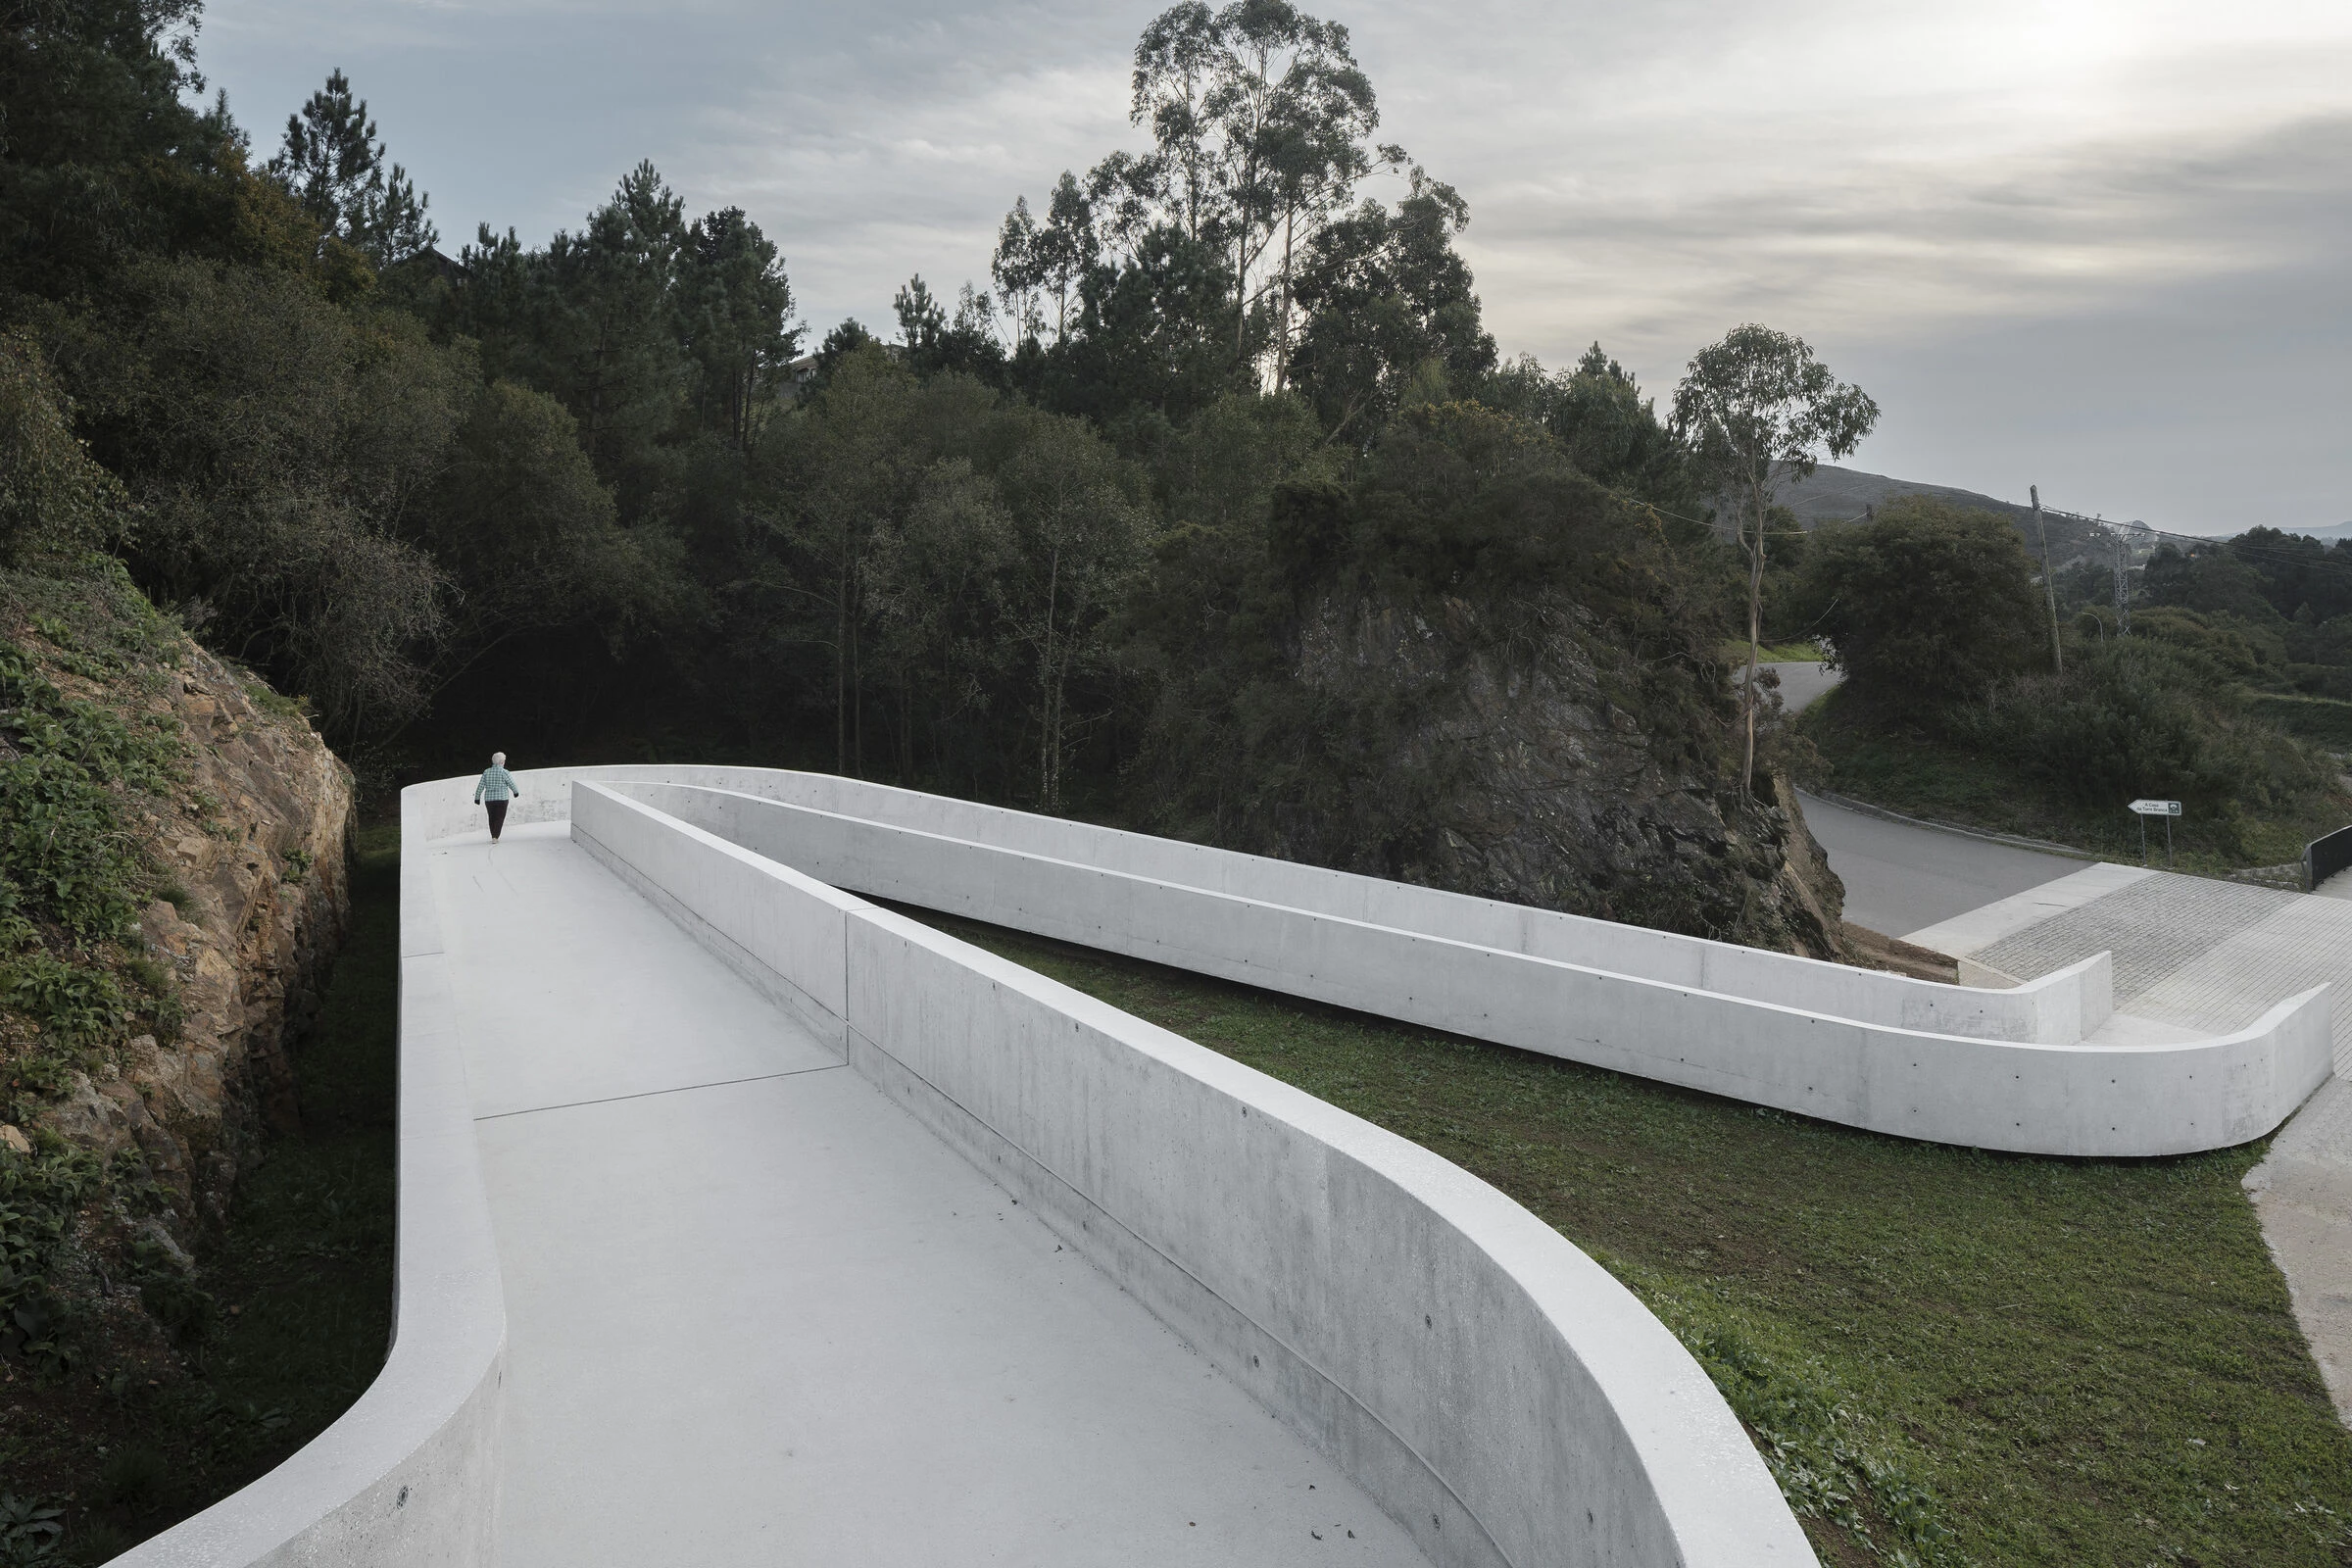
[1261,120]
[1754,408]
[840,469]
[1389,300]
[1177,63]
[1294,112]
[1079,534]
[1013,266]
[1039,263]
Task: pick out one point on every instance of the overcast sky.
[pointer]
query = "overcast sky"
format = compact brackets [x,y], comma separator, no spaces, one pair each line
[2100,247]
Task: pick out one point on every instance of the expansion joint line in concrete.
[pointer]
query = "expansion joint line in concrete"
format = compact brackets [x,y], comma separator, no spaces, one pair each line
[1198,1284]
[649,1094]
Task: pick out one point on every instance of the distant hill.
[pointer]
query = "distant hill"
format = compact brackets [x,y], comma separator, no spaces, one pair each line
[1835,493]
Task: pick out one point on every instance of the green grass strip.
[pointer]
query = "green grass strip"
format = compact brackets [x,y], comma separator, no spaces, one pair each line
[1945,1356]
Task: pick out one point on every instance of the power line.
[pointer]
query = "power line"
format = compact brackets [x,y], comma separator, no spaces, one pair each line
[2323,554]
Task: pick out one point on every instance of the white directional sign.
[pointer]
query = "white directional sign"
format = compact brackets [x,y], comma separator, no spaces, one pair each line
[2157,808]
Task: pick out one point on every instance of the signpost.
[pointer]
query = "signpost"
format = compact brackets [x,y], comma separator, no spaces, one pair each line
[2167,809]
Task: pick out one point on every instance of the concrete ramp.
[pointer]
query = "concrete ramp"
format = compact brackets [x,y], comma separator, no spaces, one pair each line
[758,1314]
[743,1221]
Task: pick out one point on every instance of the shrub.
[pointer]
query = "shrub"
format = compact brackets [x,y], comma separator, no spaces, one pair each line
[73,1003]
[135,1478]
[52,497]
[1927,606]
[39,1195]
[62,850]
[2138,717]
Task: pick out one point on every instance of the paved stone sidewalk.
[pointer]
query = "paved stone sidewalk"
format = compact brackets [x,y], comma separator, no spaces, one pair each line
[2204,955]
[2155,927]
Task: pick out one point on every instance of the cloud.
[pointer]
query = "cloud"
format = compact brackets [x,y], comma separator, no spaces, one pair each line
[2140,202]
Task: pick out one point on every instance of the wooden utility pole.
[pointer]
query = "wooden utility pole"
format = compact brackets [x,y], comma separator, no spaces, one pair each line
[2123,584]
[1756,628]
[2049,579]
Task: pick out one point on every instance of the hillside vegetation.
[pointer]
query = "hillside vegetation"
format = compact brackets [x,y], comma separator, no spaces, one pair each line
[1219,511]
[1956,705]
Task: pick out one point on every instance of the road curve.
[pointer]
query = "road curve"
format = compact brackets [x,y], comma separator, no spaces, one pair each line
[1900,878]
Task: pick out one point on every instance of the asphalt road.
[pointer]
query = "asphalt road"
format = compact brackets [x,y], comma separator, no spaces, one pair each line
[1899,878]
[1803,682]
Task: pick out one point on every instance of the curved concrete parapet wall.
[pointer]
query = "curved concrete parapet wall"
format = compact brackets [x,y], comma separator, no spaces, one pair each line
[1501,1396]
[409,1475]
[2059,1009]
[2019,1096]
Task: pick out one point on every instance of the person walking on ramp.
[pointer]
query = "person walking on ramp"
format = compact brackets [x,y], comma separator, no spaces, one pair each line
[496,789]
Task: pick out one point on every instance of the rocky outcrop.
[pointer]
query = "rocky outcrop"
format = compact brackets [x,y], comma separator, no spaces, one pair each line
[1542,764]
[251,853]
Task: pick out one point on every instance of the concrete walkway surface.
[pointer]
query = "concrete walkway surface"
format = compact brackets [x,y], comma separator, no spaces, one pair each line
[758,1314]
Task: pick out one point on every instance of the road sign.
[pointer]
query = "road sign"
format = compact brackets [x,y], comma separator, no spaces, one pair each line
[2167,809]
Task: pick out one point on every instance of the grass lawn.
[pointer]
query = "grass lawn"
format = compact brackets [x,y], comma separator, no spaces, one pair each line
[1772,652]
[302,1287]
[1931,778]
[1948,1356]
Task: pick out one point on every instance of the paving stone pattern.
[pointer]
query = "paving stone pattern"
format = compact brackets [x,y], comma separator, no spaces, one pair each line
[2154,927]
[2206,955]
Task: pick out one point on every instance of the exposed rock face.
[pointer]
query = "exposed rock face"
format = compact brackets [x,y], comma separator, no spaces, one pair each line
[1542,766]
[258,839]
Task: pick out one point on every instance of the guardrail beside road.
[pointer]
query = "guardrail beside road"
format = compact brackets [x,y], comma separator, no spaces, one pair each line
[2323,858]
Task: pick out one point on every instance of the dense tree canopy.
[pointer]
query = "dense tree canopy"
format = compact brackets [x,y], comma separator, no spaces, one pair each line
[1057,541]
[1927,604]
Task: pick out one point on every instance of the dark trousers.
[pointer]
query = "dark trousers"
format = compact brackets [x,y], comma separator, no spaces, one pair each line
[498,816]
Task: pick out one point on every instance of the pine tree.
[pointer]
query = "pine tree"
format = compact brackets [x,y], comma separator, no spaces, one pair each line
[334,165]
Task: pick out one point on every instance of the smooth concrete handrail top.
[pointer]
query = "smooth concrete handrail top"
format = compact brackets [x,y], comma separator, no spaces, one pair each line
[1501,1396]
[408,1474]
[2061,1008]
[2097,1099]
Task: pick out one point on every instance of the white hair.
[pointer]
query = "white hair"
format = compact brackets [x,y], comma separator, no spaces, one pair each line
[498,759]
